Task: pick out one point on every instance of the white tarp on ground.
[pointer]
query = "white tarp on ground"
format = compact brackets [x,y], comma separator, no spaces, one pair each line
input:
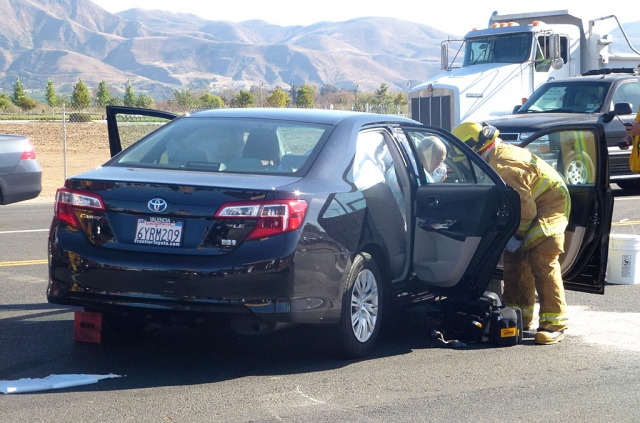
[49,382]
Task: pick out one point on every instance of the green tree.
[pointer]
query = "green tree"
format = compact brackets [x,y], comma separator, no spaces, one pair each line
[185,98]
[278,98]
[382,94]
[304,96]
[115,101]
[64,99]
[145,101]
[129,98]
[211,101]
[50,95]
[243,99]
[80,96]
[400,100]
[103,97]
[18,91]
[27,104]
[5,101]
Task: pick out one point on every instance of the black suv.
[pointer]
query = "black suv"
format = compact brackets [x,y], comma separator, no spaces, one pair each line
[598,96]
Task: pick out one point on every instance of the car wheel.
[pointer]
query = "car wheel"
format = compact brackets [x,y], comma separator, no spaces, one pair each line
[628,184]
[578,168]
[362,307]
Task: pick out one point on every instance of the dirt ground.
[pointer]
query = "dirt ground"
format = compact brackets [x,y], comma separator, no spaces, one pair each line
[87,147]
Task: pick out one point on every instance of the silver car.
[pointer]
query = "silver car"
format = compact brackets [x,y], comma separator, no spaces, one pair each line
[20,172]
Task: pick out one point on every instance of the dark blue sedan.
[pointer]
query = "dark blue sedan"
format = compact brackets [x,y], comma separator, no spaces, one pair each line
[261,216]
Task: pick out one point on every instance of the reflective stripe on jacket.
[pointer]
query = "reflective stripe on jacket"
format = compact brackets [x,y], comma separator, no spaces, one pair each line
[544,199]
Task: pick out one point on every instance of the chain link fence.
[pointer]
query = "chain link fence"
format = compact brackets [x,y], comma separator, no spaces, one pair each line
[72,140]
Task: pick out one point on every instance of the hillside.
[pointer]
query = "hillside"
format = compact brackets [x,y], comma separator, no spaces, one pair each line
[69,39]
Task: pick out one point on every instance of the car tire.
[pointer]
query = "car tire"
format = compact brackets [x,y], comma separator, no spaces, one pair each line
[577,168]
[362,308]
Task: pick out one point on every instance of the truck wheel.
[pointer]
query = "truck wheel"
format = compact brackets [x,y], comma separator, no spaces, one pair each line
[578,169]
[362,308]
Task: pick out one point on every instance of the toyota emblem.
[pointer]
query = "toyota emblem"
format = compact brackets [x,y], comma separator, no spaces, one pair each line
[157,205]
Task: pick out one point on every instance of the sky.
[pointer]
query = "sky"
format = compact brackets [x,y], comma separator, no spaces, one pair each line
[435,13]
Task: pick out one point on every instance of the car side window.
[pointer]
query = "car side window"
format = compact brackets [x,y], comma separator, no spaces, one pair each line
[374,169]
[442,162]
[571,153]
[628,92]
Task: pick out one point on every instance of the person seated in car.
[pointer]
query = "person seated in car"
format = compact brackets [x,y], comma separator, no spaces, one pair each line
[433,152]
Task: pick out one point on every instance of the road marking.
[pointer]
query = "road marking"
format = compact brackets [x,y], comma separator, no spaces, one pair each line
[22,263]
[626,223]
[24,231]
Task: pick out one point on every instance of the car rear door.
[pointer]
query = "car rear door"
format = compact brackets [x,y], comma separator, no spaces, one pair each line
[581,151]
[462,223]
[127,125]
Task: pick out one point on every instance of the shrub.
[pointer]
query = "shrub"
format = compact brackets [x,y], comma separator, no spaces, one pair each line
[79,117]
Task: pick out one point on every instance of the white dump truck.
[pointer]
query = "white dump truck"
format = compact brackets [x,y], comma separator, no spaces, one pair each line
[494,69]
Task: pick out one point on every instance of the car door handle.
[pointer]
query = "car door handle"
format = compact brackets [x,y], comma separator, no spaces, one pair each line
[432,201]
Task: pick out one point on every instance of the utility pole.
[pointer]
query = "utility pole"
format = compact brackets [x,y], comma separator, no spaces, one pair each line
[293,93]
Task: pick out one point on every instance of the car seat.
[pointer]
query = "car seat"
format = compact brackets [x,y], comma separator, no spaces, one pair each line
[263,144]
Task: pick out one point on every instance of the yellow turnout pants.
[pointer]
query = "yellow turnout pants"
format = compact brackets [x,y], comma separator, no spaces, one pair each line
[537,269]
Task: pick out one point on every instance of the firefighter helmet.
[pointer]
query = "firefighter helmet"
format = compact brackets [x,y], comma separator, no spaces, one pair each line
[475,135]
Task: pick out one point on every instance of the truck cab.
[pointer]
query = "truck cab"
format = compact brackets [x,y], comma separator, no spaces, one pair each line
[492,70]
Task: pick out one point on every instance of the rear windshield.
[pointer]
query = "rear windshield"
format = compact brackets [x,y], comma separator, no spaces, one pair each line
[256,146]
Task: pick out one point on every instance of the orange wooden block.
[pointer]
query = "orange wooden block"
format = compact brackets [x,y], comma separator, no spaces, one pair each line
[87,327]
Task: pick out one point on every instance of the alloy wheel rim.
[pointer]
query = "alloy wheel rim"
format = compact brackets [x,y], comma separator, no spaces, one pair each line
[364,305]
[576,173]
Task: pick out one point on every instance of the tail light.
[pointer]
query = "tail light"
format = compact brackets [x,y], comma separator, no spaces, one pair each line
[271,217]
[70,203]
[29,153]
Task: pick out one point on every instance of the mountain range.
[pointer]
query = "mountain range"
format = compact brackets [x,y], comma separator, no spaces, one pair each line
[65,40]
[157,51]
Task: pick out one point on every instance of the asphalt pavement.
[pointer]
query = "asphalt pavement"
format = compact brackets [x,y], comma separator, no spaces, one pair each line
[213,375]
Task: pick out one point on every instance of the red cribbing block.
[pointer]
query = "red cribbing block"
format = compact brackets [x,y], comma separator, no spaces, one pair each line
[87,327]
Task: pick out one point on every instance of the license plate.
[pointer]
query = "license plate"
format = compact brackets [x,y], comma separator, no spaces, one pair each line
[159,231]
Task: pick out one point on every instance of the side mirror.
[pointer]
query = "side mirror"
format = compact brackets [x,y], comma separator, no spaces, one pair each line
[444,56]
[618,109]
[515,109]
[554,53]
[622,109]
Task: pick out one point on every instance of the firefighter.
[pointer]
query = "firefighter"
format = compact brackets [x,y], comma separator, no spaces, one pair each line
[531,256]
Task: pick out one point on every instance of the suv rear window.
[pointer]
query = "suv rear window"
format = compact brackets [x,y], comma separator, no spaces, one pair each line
[256,146]
[585,97]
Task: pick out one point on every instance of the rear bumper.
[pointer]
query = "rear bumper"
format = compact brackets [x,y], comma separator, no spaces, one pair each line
[281,285]
[24,183]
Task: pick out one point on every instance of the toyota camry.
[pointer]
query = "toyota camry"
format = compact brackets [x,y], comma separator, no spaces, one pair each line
[262,216]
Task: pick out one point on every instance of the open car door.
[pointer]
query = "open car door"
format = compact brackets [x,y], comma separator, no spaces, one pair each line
[579,153]
[464,217]
[127,125]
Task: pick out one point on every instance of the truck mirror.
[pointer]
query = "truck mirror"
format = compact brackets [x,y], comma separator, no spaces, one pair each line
[515,109]
[618,109]
[622,109]
[554,53]
[444,56]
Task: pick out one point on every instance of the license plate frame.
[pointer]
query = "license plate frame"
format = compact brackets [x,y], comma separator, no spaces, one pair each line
[159,232]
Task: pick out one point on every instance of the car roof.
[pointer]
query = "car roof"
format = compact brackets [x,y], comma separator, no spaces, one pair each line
[321,116]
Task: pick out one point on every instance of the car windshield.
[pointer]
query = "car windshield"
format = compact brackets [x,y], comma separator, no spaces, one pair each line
[227,145]
[569,97]
[512,48]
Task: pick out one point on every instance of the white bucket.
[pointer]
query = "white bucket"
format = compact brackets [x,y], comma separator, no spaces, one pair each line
[624,253]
